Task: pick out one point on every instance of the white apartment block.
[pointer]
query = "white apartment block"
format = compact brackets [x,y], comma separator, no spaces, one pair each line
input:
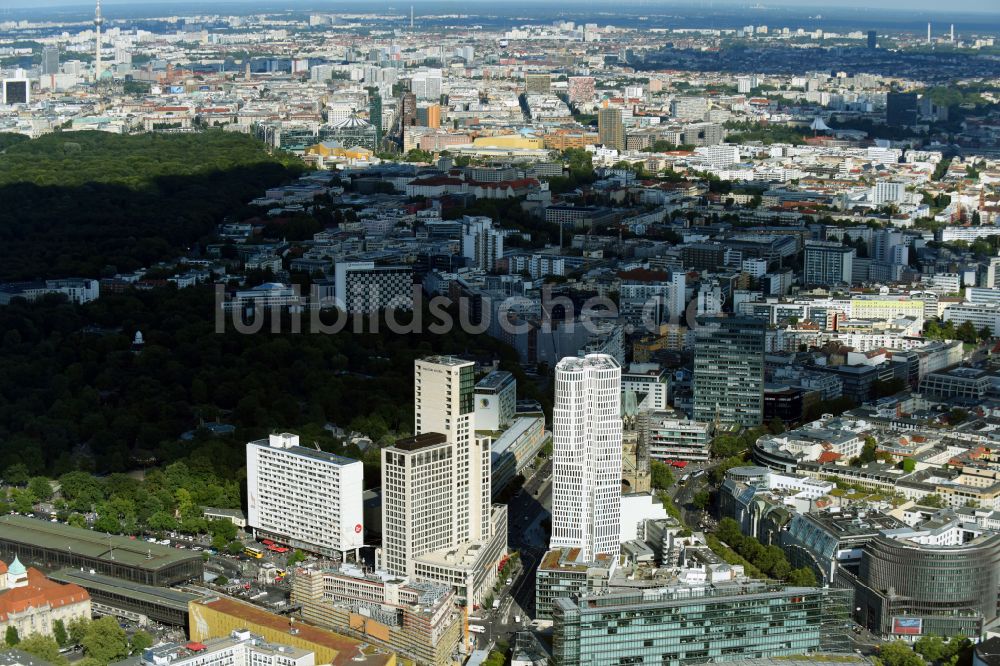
[481,242]
[668,438]
[946,283]
[537,265]
[76,290]
[241,648]
[886,191]
[720,156]
[649,382]
[587,460]
[980,314]
[426,84]
[363,287]
[305,498]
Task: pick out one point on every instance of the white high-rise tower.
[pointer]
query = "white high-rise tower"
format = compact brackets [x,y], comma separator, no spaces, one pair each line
[438,522]
[444,402]
[587,456]
[98,22]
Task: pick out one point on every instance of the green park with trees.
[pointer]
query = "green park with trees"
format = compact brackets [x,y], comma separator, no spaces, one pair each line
[89,204]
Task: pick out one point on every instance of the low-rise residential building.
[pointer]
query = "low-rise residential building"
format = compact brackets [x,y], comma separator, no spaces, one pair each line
[240,647]
[667,437]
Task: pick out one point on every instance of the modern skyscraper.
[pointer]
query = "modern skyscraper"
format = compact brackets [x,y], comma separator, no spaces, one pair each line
[437,520]
[418,500]
[375,113]
[50,60]
[610,130]
[305,498]
[901,108]
[429,114]
[587,456]
[98,22]
[444,402]
[729,371]
[407,111]
[872,39]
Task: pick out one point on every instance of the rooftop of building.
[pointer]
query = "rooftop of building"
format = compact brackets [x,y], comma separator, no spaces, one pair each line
[856,523]
[451,361]
[681,594]
[599,361]
[465,556]
[87,543]
[165,653]
[422,441]
[161,596]
[347,649]
[15,657]
[495,380]
[306,452]
[569,559]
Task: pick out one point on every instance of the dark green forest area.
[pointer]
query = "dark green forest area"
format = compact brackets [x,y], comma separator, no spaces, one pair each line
[88,204]
[74,395]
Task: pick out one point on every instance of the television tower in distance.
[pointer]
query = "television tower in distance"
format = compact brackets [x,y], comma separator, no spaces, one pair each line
[98,22]
[928,33]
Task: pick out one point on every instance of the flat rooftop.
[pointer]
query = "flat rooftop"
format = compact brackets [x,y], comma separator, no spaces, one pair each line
[87,543]
[857,523]
[600,361]
[306,452]
[445,360]
[494,380]
[347,649]
[161,596]
[421,441]
[15,657]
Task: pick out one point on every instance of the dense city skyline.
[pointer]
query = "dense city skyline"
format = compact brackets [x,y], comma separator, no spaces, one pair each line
[545,334]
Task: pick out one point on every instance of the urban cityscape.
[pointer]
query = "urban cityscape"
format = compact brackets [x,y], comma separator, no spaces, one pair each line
[564,333]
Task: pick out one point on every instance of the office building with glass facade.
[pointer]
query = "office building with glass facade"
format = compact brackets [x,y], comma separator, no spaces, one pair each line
[729,371]
[686,625]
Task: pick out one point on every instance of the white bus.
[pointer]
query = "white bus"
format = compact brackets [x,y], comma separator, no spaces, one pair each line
[477,629]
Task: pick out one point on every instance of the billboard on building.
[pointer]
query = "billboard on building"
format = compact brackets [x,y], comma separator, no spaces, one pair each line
[907,626]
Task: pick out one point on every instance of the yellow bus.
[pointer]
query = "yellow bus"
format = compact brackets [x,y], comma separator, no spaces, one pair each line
[253,552]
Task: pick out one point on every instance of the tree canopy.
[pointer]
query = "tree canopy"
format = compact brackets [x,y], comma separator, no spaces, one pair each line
[91,203]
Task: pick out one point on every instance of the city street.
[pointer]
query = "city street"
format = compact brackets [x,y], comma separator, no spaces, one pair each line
[527,521]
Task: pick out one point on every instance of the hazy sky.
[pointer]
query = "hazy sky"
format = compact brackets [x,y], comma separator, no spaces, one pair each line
[903,6]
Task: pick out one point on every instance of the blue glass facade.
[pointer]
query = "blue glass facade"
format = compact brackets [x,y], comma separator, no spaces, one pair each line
[690,625]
